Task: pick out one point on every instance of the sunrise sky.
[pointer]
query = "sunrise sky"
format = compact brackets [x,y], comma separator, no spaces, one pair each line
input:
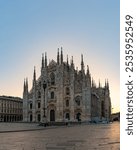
[30,28]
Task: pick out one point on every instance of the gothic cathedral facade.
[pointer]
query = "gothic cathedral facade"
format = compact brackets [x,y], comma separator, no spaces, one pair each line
[64,93]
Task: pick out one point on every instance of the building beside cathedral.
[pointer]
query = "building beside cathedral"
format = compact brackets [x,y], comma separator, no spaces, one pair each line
[10,109]
[62,93]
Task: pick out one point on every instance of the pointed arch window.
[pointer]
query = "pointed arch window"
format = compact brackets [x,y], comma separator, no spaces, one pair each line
[67,103]
[52,95]
[39,104]
[52,78]
[30,105]
[67,91]
[30,117]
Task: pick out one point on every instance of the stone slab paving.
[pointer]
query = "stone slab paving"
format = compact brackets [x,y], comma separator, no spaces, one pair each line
[80,137]
[18,126]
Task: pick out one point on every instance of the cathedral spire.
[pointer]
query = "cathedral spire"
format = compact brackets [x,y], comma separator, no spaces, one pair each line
[87,70]
[107,84]
[34,77]
[93,83]
[34,74]
[27,85]
[99,85]
[82,63]
[45,59]
[72,60]
[72,63]
[42,63]
[61,56]
[67,60]
[24,87]
[58,57]
[107,87]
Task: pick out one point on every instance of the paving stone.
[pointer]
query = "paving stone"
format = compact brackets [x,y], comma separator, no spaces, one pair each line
[82,137]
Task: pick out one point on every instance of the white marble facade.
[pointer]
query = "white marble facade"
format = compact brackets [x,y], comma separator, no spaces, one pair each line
[63,93]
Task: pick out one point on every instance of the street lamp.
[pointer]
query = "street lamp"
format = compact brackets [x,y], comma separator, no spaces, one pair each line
[44,87]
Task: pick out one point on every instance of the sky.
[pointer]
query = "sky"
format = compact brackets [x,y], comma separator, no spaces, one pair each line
[29,28]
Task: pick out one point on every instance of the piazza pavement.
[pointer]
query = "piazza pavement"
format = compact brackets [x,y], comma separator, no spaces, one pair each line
[30,136]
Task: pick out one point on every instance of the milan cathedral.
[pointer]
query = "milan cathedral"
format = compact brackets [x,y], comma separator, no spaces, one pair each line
[63,93]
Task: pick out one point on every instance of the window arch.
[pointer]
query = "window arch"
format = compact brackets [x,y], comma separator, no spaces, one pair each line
[67,103]
[39,104]
[31,117]
[52,78]
[30,105]
[67,91]
[52,95]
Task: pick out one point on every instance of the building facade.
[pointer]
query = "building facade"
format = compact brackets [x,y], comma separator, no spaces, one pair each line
[62,93]
[11,109]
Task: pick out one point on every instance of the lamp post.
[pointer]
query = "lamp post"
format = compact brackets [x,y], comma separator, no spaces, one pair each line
[44,87]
